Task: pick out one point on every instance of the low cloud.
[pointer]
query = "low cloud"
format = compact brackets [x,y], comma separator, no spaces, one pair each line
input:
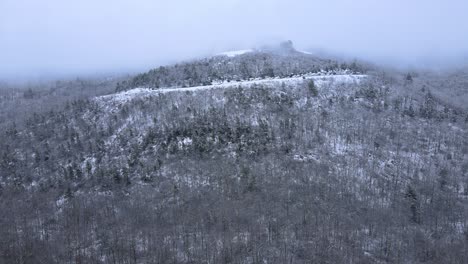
[53,37]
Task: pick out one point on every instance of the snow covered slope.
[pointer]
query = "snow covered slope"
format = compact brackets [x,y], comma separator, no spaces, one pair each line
[319,80]
[306,52]
[234,53]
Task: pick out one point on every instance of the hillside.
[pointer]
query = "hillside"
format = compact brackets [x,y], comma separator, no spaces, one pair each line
[282,61]
[259,157]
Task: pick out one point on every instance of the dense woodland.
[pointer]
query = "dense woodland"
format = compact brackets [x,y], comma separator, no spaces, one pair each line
[371,171]
[19,101]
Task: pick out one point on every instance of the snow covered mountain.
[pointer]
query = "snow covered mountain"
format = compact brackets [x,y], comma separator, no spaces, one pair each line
[271,156]
[282,61]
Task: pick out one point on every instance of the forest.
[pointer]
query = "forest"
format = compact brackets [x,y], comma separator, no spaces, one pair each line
[368,170]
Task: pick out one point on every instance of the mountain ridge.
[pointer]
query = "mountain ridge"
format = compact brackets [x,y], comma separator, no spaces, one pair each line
[281,61]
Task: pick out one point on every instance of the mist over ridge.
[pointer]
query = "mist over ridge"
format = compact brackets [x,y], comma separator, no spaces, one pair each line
[53,38]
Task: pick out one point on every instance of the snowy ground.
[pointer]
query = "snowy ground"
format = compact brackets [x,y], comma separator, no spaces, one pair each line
[306,52]
[319,80]
[234,53]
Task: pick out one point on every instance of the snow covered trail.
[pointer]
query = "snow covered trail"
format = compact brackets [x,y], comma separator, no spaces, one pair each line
[126,96]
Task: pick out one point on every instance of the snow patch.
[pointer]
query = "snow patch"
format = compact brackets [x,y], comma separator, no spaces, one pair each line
[234,53]
[306,52]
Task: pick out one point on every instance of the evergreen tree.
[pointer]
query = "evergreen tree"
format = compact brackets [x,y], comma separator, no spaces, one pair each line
[312,88]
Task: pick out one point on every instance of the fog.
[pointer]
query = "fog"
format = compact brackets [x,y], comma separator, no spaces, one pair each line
[55,37]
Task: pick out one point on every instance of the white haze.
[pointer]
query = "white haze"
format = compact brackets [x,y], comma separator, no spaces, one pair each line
[56,37]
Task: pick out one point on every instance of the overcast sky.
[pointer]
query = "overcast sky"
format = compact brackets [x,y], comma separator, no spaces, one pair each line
[50,37]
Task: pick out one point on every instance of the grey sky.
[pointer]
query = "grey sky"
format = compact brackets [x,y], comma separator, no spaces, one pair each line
[88,36]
